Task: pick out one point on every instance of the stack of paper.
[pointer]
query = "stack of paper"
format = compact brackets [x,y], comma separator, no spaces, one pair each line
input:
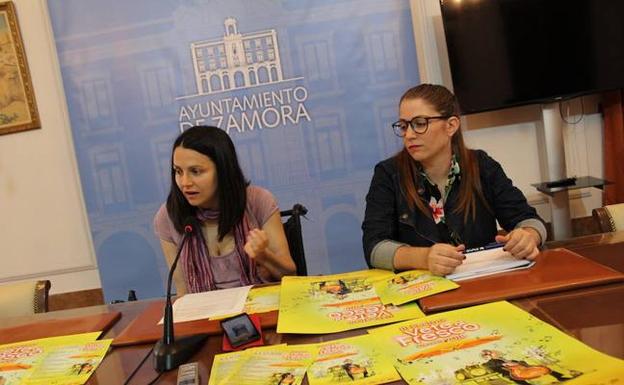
[487,260]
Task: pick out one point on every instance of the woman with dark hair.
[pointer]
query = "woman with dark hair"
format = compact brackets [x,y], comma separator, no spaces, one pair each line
[242,239]
[436,197]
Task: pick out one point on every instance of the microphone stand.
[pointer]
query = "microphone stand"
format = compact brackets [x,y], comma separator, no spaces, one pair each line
[170,353]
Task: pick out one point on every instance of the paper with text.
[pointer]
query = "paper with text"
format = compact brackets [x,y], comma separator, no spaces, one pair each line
[210,304]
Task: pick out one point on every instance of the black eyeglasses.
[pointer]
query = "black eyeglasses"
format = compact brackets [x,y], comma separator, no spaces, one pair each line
[419,124]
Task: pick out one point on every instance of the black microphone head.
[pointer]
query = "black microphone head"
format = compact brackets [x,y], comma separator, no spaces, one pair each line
[191,224]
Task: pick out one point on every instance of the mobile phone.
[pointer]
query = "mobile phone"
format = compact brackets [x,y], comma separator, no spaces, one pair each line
[240,330]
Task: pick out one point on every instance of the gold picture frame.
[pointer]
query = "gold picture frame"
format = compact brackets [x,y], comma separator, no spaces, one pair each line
[18,109]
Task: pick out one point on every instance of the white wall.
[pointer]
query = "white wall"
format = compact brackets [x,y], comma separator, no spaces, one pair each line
[43,224]
[510,135]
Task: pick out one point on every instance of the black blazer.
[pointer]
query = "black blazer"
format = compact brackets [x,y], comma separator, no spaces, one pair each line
[388,216]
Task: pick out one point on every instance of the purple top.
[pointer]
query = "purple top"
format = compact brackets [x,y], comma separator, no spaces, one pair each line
[261,204]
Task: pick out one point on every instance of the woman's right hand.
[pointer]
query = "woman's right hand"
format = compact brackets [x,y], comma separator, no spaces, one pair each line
[443,258]
[256,245]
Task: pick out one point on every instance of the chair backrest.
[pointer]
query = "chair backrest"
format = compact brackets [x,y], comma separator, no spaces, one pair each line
[609,218]
[24,298]
[292,228]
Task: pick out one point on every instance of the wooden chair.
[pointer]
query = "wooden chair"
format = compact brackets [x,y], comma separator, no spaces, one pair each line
[609,218]
[24,298]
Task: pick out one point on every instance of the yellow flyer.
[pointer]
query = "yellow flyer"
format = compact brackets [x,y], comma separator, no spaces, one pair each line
[281,366]
[262,299]
[411,285]
[259,300]
[333,303]
[275,365]
[69,364]
[353,360]
[496,343]
[19,360]
[224,365]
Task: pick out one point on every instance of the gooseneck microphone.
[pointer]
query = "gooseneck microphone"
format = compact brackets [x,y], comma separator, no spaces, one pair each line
[169,353]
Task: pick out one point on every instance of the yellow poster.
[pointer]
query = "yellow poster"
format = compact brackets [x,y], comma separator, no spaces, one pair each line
[496,343]
[353,360]
[271,365]
[70,364]
[51,360]
[262,299]
[224,365]
[411,285]
[333,303]
[259,300]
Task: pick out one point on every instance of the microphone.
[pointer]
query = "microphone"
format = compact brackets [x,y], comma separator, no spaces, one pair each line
[169,353]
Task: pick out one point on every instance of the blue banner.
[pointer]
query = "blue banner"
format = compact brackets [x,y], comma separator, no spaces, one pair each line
[306,89]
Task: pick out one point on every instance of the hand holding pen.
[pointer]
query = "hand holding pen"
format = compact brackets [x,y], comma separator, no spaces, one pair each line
[443,258]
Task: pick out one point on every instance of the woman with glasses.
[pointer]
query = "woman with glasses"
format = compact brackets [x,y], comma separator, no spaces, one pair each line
[435,197]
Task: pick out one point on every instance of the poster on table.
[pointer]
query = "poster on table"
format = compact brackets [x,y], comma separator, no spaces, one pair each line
[496,343]
[411,285]
[271,365]
[333,303]
[355,360]
[262,299]
[52,361]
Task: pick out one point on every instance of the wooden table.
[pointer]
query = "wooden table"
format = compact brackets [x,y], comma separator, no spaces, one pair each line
[593,315]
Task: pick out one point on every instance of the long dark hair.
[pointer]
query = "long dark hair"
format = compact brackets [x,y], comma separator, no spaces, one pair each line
[232,185]
[446,104]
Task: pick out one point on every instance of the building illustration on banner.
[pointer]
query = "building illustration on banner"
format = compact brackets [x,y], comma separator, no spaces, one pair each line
[236,61]
[241,62]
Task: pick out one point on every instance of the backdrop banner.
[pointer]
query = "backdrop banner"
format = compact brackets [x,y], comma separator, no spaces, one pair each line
[306,89]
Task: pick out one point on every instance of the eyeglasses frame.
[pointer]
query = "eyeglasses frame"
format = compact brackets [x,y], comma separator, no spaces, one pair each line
[412,125]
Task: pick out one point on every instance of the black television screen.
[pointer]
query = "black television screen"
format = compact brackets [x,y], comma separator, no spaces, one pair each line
[504,53]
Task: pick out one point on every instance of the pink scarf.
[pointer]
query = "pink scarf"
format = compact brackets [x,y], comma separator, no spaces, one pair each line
[196,257]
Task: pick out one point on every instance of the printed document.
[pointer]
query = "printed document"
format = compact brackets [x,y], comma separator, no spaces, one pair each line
[210,304]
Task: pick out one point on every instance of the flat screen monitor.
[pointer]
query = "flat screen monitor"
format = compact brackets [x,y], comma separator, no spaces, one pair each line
[506,53]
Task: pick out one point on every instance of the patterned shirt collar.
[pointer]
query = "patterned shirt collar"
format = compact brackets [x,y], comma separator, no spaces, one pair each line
[434,200]
[453,175]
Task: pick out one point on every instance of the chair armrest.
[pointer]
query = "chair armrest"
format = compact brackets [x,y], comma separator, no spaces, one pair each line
[42,289]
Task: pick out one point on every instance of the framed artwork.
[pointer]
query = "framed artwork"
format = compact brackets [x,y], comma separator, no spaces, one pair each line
[18,110]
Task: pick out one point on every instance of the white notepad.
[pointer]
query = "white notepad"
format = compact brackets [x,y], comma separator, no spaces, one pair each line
[487,260]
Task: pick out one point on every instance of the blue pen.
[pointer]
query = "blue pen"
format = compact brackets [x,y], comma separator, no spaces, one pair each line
[489,246]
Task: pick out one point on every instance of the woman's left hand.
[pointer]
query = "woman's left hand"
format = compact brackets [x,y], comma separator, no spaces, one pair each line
[257,243]
[521,242]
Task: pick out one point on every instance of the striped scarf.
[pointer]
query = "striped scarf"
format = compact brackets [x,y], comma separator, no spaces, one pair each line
[197,262]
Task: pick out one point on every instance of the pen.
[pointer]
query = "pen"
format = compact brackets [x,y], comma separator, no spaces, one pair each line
[489,246]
